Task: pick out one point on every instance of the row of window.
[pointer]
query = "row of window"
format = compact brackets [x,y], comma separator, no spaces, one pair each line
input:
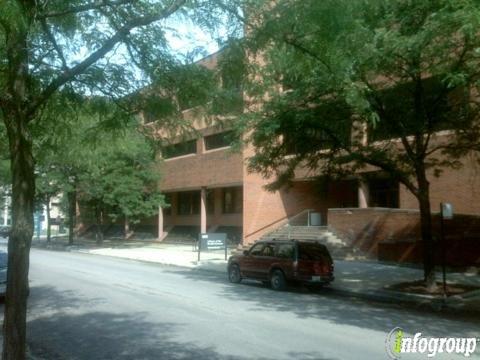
[188,202]
[215,141]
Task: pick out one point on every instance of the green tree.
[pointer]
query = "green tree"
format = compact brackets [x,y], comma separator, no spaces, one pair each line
[112,168]
[120,177]
[394,71]
[48,185]
[47,46]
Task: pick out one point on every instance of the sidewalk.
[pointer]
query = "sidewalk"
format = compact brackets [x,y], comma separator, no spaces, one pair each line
[361,279]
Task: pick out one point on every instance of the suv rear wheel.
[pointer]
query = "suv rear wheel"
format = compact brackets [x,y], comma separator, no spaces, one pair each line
[277,280]
[234,274]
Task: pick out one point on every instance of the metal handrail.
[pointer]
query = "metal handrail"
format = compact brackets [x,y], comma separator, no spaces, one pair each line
[293,219]
[303,222]
[287,221]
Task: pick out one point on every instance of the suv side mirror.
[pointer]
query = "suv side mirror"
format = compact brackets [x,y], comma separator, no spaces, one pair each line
[245,252]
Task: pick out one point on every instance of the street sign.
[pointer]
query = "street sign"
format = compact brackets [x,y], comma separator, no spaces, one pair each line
[212,241]
[447,211]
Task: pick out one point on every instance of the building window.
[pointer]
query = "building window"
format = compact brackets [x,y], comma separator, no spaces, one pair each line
[210,201]
[180,149]
[219,140]
[444,109]
[383,193]
[328,126]
[232,200]
[189,203]
[167,210]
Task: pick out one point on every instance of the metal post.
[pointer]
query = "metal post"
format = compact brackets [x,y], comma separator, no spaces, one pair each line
[160,223]
[203,210]
[199,246]
[442,235]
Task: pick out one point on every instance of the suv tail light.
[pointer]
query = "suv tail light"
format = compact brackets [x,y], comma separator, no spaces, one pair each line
[322,268]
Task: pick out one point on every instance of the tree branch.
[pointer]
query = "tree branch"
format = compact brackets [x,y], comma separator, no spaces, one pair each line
[389,167]
[107,46]
[87,7]
[51,38]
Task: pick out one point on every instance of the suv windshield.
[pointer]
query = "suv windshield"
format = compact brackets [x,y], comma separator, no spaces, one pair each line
[313,251]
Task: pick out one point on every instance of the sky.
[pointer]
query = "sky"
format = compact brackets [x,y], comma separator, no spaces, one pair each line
[188,37]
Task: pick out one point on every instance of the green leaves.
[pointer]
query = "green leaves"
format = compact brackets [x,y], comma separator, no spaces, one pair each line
[397,69]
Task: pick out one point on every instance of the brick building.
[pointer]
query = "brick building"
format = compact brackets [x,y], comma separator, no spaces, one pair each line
[210,189]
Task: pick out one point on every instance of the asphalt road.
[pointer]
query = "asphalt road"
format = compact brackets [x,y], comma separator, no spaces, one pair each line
[92,307]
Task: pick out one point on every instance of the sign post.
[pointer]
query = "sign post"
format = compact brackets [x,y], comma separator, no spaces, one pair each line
[446,213]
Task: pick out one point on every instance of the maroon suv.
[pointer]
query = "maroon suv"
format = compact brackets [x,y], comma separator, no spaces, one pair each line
[277,262]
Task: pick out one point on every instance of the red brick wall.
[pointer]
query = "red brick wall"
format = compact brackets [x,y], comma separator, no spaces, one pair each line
[394,234]
[265,211]
[211,168]
[460,187]
[365,228]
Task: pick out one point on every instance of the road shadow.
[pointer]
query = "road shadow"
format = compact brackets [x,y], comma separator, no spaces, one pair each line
[56,331]
[326,305]
[47,299]
[101,335]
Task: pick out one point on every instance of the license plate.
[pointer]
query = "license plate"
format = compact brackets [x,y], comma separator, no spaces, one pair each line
[316,278]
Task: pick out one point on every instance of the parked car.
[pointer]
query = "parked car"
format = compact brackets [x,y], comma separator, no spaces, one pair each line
[3,273]
[278,262]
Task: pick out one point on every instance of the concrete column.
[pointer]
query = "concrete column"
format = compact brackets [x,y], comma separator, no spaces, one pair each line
[160,223]
[203,210]
[363,194]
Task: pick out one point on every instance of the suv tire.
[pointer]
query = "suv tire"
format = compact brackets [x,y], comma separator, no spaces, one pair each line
[277,280]
[234,274]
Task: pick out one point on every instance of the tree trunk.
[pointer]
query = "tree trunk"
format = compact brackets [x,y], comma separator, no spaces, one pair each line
[49,226]
[72,213]
[426,231]
[98,232]
[23,190]
[127,228]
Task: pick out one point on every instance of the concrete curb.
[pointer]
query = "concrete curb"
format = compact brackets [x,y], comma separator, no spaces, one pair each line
[452,304]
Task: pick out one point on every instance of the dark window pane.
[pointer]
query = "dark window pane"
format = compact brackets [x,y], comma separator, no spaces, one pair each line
[219,140]
[189,203]
[180,149]
[256,250]
[227,201]
[268,250]
[325,127]
[440,110]
[383,193]
[285,251]
[313,251]
[211,201]
[233,200]
[167,210]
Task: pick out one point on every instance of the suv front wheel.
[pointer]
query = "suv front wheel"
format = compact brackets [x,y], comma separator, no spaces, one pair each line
[277,280]
[234,274]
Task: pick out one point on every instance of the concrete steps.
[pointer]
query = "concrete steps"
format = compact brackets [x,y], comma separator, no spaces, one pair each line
[337,247]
